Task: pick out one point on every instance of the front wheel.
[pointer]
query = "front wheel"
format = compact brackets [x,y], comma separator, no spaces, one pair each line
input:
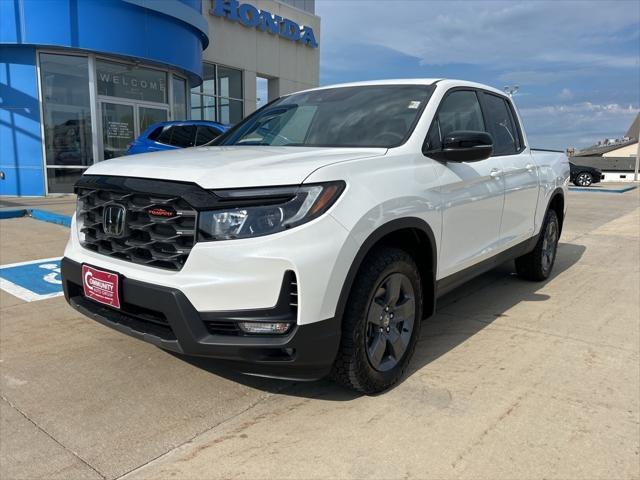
[537,264]
[381,322]
[583,179]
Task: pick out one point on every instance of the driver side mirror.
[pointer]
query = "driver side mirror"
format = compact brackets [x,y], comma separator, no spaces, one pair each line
[464,146]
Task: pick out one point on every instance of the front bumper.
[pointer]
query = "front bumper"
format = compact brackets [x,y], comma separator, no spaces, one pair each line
[165,317]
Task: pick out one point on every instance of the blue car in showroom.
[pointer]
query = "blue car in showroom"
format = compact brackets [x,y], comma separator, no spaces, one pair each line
[176,134]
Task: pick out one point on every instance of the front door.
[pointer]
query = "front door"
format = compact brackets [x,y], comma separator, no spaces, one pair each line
[472,192]
[118,129]
[123,122]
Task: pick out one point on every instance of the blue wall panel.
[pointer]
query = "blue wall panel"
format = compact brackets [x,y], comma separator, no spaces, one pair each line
[167,32]
[170,33]
[20,137]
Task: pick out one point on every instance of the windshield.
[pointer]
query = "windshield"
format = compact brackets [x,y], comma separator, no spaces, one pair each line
[366,116]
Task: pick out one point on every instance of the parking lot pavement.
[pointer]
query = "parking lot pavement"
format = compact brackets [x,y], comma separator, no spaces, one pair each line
[511,379]
[63,204]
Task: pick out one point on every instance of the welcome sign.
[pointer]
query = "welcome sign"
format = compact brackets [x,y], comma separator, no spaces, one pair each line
[250,17]
[127,81]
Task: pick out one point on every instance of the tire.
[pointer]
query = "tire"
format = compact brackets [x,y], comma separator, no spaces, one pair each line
[538,264]
[377,342]
[583,179]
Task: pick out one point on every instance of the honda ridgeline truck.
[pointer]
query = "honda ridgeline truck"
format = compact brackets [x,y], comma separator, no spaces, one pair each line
[313,237]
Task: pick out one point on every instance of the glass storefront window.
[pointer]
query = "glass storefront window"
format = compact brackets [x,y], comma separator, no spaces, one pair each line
[219,98]
[61,180]
[137,97]
[130,81]
[203,107]
[229,83]
[179,98]
[230,111]
[208,79]
[229,92]
[67,110]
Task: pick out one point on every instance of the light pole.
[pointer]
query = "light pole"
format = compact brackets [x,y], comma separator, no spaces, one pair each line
[511,90]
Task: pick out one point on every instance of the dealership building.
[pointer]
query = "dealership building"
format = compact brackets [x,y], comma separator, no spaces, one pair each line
[80,79]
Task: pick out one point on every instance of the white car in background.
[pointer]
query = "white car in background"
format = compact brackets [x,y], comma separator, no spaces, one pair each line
[318,233]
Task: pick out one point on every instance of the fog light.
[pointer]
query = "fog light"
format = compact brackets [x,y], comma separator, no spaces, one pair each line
[265,327]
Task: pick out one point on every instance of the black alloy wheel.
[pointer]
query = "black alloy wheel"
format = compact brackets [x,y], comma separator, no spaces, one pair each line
[390,321]
[584,179]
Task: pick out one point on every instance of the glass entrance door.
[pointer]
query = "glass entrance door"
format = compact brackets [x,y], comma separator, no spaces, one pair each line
[118,129]
[122,123]
[149,115]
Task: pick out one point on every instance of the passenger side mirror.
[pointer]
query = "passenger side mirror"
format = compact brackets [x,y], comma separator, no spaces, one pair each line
[464,146]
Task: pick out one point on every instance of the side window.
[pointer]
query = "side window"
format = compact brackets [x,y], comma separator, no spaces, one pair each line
[205,135]
[460,110]
[183,136]
[501,125]
[155,134]
[165,136]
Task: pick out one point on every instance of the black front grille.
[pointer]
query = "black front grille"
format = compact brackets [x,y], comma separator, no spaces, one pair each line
[162,241]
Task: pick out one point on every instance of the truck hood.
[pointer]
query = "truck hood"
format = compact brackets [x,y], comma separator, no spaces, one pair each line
[232,166]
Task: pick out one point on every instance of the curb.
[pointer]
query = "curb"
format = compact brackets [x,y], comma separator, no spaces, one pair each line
[4,214]
[42,215]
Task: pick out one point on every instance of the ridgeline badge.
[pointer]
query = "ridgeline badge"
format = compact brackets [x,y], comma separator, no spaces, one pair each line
[251,17]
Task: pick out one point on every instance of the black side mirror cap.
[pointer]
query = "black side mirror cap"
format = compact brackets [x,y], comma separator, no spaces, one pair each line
[464,146]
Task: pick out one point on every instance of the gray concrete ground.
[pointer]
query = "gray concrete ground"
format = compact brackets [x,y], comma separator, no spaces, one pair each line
[511,379]
[65,204]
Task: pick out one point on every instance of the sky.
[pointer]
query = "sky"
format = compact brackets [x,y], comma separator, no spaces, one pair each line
[577,63]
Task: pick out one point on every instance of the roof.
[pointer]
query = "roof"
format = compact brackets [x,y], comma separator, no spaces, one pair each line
[634,130]
[208,123]
[597,151]
[606,164]
[446,82]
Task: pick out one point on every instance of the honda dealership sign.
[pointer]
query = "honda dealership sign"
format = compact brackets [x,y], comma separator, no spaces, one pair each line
[251,17]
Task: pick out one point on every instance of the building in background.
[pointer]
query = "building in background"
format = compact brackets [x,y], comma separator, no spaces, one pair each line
[241,53]
[80,79]
[615,157]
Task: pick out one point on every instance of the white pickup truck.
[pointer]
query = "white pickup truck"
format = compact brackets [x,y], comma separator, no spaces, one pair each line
[314,237]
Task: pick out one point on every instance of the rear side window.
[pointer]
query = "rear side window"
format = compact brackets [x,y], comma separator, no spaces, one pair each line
[501,125]
[165,136]
[460,110]
[183,136]
[205,135]
[155,134]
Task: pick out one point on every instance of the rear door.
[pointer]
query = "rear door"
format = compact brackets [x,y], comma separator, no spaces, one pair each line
[519,170]
[472,192]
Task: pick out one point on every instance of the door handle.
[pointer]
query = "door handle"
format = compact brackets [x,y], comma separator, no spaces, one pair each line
[530,167]
[495,173]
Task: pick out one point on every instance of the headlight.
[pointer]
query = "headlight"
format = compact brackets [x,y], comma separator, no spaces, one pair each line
[253,212]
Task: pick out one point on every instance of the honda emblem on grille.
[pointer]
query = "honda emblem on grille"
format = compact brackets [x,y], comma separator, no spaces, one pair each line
[113,220]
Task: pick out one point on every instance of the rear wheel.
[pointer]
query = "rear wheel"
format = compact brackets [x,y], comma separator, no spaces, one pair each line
[381,322]
[583,179]
[537,264]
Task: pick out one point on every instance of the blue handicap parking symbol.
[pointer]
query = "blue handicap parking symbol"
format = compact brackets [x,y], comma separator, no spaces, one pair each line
[34,280]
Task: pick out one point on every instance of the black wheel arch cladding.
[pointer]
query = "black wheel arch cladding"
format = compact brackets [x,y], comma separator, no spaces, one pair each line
[396,231]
